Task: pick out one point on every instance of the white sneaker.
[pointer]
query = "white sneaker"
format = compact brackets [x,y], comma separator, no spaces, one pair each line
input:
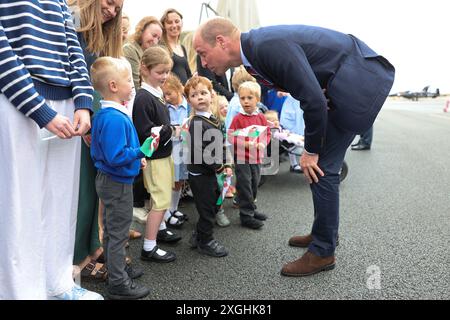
[222,220]
[78,293]
[140,215]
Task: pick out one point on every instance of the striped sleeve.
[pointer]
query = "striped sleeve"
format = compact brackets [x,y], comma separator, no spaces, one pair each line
[79,75]
[17,86]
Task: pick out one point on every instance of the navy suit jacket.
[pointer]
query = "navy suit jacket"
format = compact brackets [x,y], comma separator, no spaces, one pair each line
[304,60]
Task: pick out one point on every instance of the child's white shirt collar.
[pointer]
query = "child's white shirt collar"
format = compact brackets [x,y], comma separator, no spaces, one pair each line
[182,105]
[157,92]
[204,114]
[114,105]
[255,113]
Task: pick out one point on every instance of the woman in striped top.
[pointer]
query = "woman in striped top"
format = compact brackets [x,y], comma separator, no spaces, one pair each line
[44,83]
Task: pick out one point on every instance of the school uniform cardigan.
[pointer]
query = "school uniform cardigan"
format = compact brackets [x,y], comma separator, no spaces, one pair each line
[149,112]
[206,166]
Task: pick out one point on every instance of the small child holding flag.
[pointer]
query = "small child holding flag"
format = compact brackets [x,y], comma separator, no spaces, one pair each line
[250,136]
[116,154]
[206,159]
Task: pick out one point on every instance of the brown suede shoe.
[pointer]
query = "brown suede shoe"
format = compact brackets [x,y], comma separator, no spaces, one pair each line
[308,265]
[301,241]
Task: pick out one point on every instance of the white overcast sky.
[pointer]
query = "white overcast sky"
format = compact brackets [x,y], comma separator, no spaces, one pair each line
[412,34]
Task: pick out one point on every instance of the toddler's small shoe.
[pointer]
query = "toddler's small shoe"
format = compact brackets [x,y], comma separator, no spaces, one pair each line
[222,220]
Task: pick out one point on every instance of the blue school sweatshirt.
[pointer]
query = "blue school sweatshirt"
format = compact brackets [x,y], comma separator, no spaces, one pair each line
[115,147]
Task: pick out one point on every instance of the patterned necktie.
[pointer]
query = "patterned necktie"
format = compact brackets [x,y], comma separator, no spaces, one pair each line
[269,85]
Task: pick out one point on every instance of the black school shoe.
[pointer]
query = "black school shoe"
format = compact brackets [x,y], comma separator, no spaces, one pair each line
[252,223]
[260,216]
[134,272]
[153,256]
[129,290]
[213,249]
[167,236]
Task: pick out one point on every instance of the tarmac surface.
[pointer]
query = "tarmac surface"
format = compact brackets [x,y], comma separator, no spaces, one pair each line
[394,227]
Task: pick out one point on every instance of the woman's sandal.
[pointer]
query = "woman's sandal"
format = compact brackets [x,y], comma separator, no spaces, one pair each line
[95,271]
[135,235]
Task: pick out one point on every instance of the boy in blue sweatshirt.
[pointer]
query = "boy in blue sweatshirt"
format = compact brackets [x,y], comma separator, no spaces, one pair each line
[116,153]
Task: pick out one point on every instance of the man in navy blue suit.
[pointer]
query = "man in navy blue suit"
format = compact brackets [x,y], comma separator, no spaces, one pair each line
[341,84]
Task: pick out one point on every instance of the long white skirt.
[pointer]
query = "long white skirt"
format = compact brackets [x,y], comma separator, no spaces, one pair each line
[39,183]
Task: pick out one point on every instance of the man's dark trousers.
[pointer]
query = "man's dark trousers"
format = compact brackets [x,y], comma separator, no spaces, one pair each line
[326,192]
[367,137]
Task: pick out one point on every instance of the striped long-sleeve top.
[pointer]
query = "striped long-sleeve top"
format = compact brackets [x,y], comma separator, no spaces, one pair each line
[41,58]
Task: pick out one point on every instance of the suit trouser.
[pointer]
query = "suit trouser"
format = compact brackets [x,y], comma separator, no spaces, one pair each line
[38,205]
[117,218]
[367,137]
[206,193]
[326,193]
[247,180]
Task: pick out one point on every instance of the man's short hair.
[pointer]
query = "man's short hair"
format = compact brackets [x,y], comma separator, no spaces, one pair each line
[217,26]
[105,69]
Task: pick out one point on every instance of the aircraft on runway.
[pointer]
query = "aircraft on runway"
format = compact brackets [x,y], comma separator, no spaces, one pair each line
[414,96]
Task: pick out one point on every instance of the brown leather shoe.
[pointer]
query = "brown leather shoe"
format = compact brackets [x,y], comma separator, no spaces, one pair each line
[301,241]
[308,265]
[304,241]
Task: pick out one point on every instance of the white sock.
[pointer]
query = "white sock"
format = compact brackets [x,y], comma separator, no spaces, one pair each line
[149,245]
[162,226]
[169,218]
[167,215]
[293,159]
[175,200]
